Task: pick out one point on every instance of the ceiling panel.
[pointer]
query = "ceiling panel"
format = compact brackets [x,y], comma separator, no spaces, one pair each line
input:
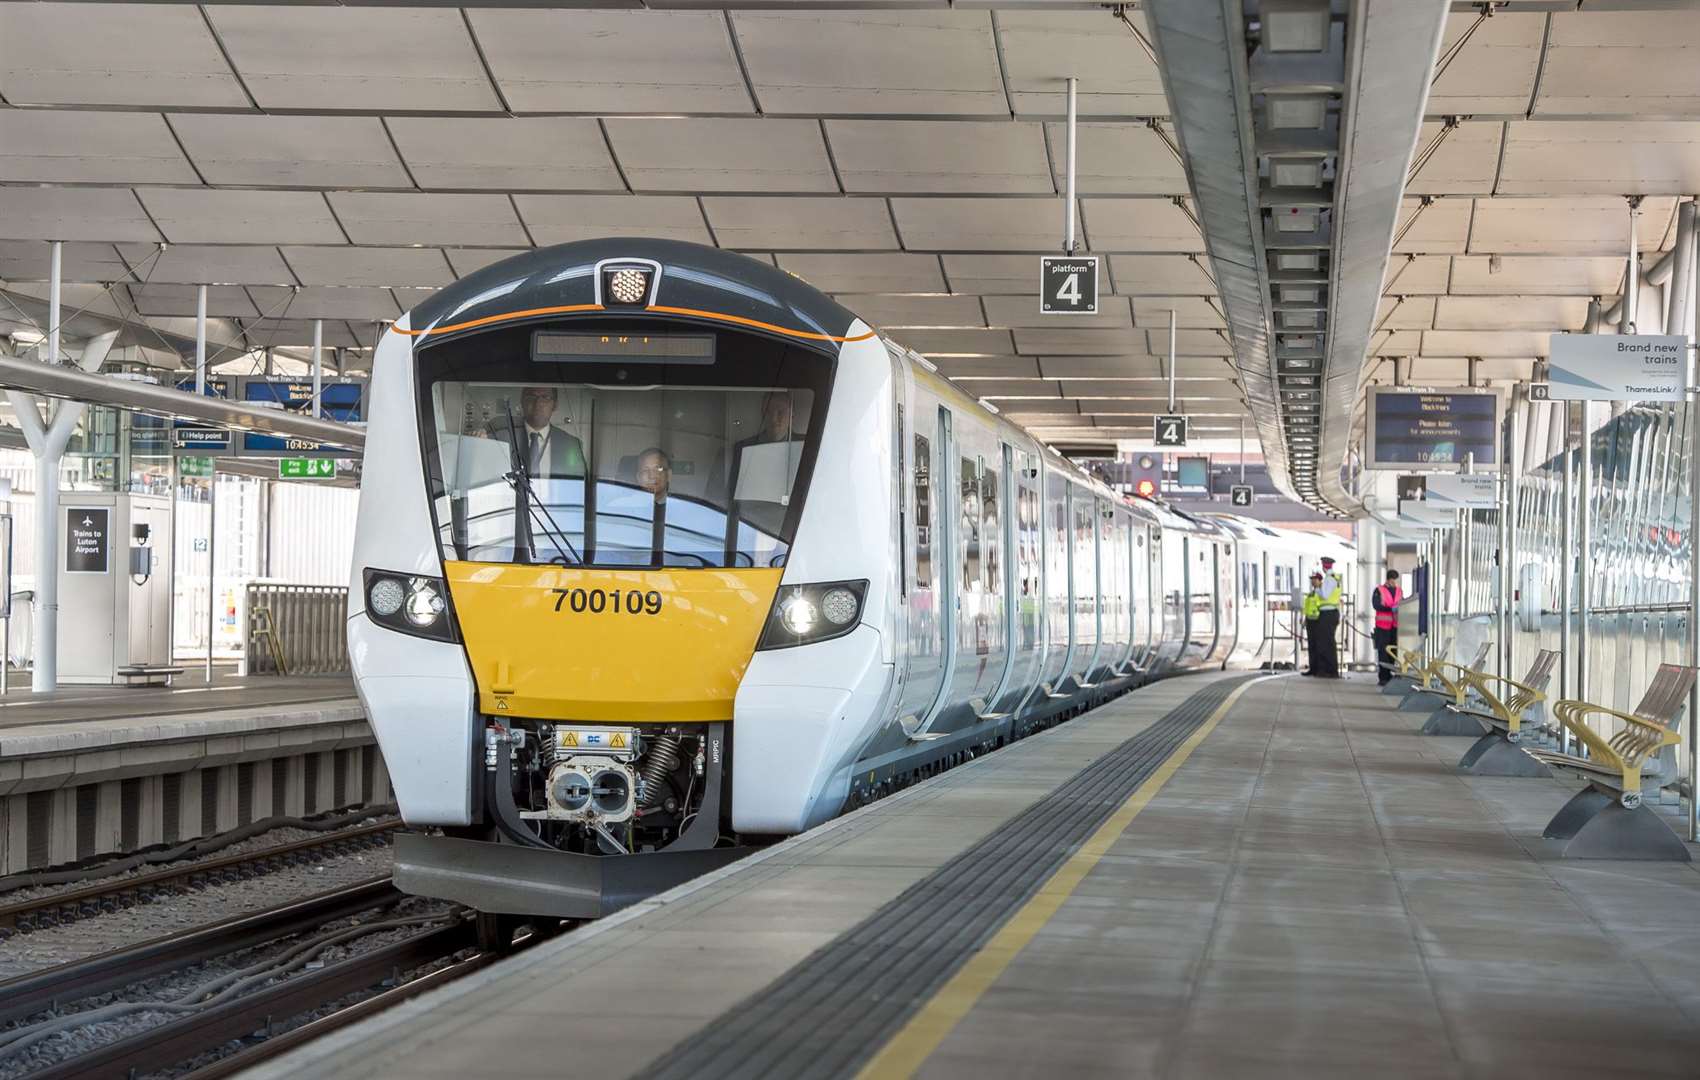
[560,219]
[298,56]
[1042,48]
[113,54]
[233,264]
[994,273]
[325,302]
[803,223]
[1484,343]
[95,299]
[613,61]
[1008,389]
[100,214]
[427,218]
[1465,162]
[369,266]
[1442,228]
[1407,274]
[73,147]
[1191,312]
[894,312]
[1591,226]
[1395,343]
[408,299]
[1095,392]
[1009,224]
[1600,158]
[959,342]
[1495,70]
[1159,275]
[297,334]
[1047,407]
[1041,421]
[837,63]
[1476,275]
[1548,314]
[1622,63]
[31,260]
[989,367]
[223,301]
[1405,313]
[867,272]
[1188,343]
[467,260]
[290,151]
[732,154]
[535,153]
[1138,225]
[1099,367]
[993,156]
[1115,159]
[1113,312]
[1077,341]
[217,216]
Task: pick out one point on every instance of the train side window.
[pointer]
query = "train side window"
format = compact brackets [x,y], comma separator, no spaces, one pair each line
[923,513]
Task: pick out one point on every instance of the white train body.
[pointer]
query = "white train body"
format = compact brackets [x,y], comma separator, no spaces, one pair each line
[996,587]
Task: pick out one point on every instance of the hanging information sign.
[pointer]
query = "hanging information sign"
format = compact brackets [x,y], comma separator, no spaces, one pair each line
[1458,491]
[1432,430]
[1617,367]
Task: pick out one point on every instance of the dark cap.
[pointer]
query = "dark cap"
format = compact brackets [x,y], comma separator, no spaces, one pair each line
[1327,561]
[1315,574]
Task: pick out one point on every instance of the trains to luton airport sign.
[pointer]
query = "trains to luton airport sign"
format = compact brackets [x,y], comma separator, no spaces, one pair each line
[1617,367]
[1068,285]
[1433,430]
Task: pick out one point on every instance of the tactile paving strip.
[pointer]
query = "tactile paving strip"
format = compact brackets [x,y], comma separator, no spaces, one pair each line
[834,1010]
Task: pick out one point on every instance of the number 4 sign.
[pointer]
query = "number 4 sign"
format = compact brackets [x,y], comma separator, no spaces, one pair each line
[1068,285]
[1169,431]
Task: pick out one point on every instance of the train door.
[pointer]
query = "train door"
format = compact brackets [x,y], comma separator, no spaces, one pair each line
[932,610]
[1083,517]
[1227,602]
[982,644]
[1012,569]
[1141,595]
[1059,588]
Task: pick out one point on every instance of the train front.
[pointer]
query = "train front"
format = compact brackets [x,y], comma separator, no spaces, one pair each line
[584,483]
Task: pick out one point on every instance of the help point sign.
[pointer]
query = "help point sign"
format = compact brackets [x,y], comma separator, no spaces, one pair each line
[1617,367]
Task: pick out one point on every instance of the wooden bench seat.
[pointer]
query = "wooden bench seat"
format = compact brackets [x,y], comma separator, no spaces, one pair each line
[1609,819]
[1504,711]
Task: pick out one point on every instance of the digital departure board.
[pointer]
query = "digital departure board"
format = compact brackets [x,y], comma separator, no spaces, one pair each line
[565,347]
[1433,430]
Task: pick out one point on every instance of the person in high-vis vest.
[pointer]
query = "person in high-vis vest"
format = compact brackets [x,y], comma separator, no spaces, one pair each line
[1312,607]
[1328,623]
[1385,600]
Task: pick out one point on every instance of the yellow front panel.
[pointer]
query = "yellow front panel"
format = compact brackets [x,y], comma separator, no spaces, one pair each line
[628,646]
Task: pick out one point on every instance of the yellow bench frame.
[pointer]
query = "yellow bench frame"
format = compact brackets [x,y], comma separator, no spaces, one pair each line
[1623,753]
[1508,709]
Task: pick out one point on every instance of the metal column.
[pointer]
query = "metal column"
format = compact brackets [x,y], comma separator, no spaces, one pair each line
[212,566]
[318,366]
[1584,549]
[1508,544]
[1686,277]
[201,340]
[1068,202]
[1567,553]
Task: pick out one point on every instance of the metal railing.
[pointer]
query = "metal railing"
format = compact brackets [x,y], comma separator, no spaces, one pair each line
[296,629]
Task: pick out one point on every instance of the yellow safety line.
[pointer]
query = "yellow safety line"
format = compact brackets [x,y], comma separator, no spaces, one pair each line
[917,1040]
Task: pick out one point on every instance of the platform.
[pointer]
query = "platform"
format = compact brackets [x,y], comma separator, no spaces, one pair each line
[89,771]
[1312,891]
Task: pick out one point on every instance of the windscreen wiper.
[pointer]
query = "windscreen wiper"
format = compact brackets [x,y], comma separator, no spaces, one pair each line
[520,479]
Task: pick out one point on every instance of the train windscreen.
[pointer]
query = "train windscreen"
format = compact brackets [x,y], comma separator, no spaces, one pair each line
[611,460]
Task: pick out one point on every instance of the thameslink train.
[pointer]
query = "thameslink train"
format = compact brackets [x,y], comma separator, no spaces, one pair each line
[661,550]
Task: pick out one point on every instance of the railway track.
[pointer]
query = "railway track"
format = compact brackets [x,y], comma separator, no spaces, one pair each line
[115,894]
[288,990]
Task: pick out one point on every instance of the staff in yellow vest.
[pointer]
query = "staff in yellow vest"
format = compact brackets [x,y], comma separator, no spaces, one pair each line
[1312,608]
[1328,623]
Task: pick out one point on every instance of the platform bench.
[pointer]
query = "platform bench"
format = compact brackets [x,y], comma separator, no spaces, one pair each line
[148,674]
[1608,819]
[1444,682]
[1505,719]
[1408,666]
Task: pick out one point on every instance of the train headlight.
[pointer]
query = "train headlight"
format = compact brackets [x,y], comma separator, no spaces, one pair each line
[410,604]
[807,613]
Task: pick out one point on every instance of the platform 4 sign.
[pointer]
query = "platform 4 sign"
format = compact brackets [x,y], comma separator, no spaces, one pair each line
[1240,494]
[1068,285]
[1169,431]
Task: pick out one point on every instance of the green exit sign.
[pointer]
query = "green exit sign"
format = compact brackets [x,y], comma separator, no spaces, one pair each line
[305,468]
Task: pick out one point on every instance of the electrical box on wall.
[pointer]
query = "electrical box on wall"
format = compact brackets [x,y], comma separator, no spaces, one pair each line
[1529,597]
[115,583]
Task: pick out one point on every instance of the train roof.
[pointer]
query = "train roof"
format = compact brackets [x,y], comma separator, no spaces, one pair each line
[696,283]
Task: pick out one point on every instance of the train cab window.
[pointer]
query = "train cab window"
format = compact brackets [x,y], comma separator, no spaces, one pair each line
[587,461]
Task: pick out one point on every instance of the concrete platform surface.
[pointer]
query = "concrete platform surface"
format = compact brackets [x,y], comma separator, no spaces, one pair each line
[1314,891]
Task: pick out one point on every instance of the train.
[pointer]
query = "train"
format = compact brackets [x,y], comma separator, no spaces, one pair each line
[662,553]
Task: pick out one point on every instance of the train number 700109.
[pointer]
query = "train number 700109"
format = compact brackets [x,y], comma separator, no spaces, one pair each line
[610,601]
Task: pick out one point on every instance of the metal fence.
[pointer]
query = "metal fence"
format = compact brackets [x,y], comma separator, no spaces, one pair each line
[296,629]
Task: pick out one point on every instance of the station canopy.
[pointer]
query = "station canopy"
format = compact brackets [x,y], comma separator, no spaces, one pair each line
[338,162]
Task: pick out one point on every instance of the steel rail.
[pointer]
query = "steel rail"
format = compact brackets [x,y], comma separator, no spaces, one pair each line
[73,904]
[51,988]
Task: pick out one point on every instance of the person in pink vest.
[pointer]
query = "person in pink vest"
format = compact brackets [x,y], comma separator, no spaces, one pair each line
[1385,600]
